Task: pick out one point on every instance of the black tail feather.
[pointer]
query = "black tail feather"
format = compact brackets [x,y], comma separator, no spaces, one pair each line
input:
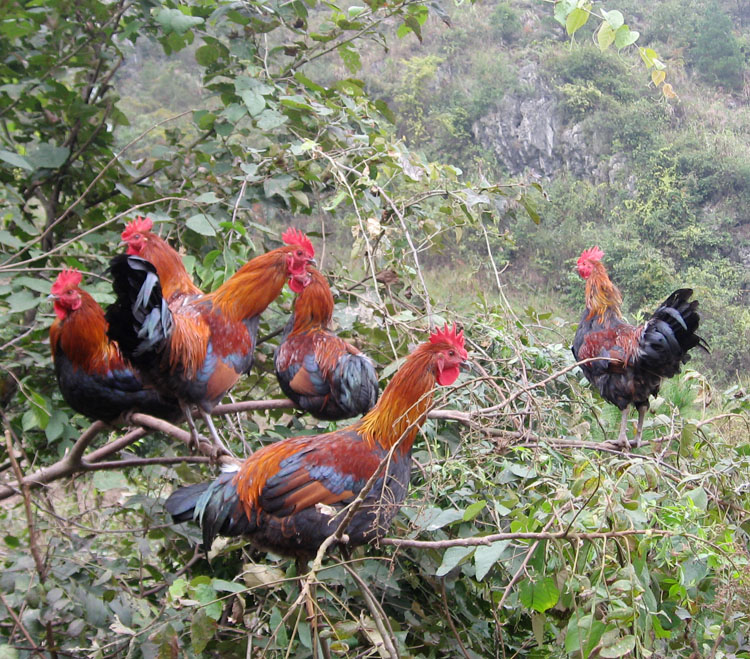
[139,320]
[215,506]
[670,334]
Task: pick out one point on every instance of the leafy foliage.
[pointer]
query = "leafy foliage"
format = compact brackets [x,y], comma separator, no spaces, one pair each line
[535,531]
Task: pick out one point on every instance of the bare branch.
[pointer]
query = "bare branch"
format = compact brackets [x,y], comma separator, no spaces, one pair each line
[538,535]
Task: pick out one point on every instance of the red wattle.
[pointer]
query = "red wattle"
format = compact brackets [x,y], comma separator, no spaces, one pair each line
[447,375]
[296,285]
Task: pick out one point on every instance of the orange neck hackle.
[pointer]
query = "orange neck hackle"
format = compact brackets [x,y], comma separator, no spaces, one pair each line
[173,276]
[256,284]
[601,294]
[313,307]
[82,336]
[403,407]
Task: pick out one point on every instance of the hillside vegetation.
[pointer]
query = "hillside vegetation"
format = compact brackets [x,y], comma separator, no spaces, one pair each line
[449,164]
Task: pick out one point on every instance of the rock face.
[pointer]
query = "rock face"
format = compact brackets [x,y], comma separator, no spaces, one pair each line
[528,133]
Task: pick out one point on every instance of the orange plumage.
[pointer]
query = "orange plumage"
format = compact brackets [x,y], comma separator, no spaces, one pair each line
[634,359]
[93,376]
[286,496]
[198,346]
[141,241]
[323,374]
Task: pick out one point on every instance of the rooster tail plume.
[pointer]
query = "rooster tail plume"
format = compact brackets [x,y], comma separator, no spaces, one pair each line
[139,320]
[670,333]
[215,505]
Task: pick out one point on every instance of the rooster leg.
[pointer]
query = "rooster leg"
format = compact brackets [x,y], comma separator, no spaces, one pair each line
[639,428]
[194,436]
[219,446]
[622,438]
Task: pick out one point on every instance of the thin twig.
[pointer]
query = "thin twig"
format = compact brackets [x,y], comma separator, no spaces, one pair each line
[523,535]
[20,625]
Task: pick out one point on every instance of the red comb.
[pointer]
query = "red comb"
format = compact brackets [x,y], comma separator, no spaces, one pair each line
[592,254]
[67,279]
[293,236]
[449,335]
[136,226]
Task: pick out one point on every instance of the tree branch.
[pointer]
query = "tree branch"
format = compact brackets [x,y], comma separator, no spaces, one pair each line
[539,535]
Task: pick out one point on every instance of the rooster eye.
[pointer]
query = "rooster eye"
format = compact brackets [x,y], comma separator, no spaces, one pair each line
[451,353]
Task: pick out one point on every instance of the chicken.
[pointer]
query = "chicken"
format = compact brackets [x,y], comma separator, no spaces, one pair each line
[287,496]
[635,359]
[321,373]
[93,376]
[173,276]
[199,346]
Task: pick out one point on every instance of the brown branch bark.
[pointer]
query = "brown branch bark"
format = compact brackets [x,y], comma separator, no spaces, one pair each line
[539,535]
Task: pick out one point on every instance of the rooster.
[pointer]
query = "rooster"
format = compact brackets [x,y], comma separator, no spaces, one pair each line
[288,496]
[93,376]
[635,359]
[173,276]
[199,346]
[321,373]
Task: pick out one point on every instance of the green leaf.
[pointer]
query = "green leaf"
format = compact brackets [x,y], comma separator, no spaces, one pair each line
[207,55]
[178,589]
[201,631]
[7,238]
[575,20]
[200,223]
[228,586]
[296,101]
[538,621]
[583,634]
[49,156]
[563,8]
[698,497]
[270,119]
[619,648]
[173,20]
[648,55]
[57,421]
[254,102]
[206,595]
[530,205]
[8,652]
[486,556]
[451,558]
[350,57]
[16,161]
[313,86]
[605,36]
[109,480]
[207,198]
[413,25]
[431,519]
[473,510]
[275,622]
[539,595]
[624,36]
[22,301]
[614,18]
[278,185]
